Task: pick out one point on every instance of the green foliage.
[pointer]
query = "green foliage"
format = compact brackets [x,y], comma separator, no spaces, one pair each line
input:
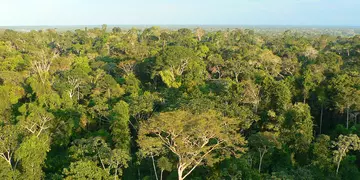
[85,170]
[234,168]
[34,119]
[263,143]
[169,79]
[191,138]
[132,85]
[347,91]
[178,64]
[141,107]
[32,155]
[343,145]
[7,172]
[322,153]
[298,127]
[276,95]
[164,164]
[9,95]
[197,104]
[9,137]
[120,125]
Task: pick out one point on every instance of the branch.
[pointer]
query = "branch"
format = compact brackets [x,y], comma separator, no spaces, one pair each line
[201,158]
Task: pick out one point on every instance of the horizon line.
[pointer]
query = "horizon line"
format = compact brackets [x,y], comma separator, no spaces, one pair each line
[298,25]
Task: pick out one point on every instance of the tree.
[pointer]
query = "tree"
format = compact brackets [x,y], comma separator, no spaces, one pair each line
[331,61]
[216,64]
[237,67]
[290,66]
[323,100]
[132,85]
[41,66]
[120,125]
[34,119]
[9,95]
[343,145]
[118,160]
[347,93]
[108,161]
[298,127]
[142,107]
[312,77]
[10,59]
[164,164]
[72,83]
[32,154]
[276,95]
[9,142]
[199,33]
[165,36]
[251,94]
[191,138]
[322,153]
[176,63]
[132,36]
[85,170]
[127,66]
[151,34]
[263,142]
[268,62]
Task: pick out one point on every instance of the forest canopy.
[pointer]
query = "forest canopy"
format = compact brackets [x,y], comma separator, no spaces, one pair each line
[160,104]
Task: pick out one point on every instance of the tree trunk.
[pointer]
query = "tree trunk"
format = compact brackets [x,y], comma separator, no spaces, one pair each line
[236,77]
[347,118]
[338,166]
[321,117]
[153,162]
[180,174]
[78,94]
[138,170]
[304,100]
[116,169]
[356,119]
[261,158]
[161,174]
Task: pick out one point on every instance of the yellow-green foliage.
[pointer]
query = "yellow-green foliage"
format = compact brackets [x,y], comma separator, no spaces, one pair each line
[169,79]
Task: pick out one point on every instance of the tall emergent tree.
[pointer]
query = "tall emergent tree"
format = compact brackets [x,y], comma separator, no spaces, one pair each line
[191,138]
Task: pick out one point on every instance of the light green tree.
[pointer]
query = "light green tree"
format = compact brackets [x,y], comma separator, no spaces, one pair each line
[343,145]
[322,153]
[32,154]
[165,165]
[263,142]
[84,170]
[9,143]
[191,138]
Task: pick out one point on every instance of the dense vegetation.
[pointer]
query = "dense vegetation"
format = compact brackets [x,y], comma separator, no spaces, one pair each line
[175,104]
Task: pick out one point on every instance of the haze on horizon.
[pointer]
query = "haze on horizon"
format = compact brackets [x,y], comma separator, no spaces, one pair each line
[176,12]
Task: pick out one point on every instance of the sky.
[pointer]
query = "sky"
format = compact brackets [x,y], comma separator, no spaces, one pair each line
[180,12]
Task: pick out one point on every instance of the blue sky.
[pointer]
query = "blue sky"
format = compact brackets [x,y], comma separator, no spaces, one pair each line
[179,12]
